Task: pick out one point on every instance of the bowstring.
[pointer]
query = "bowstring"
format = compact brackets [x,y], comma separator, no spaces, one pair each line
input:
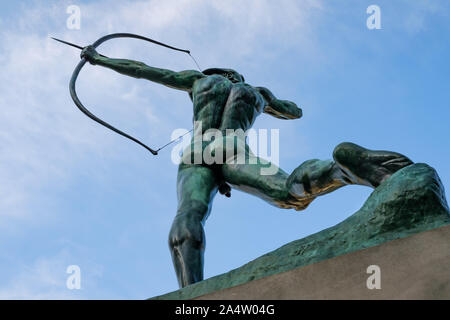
[172,141]
[195,61]
[176,139]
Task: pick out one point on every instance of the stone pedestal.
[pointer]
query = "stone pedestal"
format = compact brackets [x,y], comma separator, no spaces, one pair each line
[402,228]
[416,267]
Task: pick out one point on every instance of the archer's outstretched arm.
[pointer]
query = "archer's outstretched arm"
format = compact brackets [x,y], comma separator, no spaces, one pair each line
[182,80]
[281,109]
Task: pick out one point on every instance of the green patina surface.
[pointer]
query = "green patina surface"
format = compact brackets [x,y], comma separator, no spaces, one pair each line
[410,201]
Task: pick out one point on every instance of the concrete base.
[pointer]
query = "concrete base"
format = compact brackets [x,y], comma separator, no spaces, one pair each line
[410,202]
[415,267]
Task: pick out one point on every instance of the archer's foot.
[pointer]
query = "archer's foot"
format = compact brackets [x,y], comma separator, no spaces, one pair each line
[368,167]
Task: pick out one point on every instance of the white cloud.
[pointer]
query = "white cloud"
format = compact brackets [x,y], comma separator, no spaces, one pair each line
[46,278]
[416,16]
[45,142]
[43,137]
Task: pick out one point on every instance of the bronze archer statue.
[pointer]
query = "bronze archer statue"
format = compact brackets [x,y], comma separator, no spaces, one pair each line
[223,100]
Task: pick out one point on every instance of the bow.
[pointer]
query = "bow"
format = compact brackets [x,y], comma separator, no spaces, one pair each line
[80,65]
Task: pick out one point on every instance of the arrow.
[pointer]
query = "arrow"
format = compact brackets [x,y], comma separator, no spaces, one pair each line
[73,45]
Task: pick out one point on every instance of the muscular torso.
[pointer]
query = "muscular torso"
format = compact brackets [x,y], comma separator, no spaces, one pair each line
[222,104]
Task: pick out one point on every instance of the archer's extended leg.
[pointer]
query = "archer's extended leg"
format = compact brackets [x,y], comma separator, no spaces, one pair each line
[368,167]
[352,165]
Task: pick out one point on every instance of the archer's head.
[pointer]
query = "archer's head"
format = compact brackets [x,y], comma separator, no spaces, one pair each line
[230,74]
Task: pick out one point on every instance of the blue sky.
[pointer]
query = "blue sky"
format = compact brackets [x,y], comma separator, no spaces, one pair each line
[74,193]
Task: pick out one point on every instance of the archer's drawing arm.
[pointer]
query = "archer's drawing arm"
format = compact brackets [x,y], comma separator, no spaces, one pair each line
[281,109]
[182,80]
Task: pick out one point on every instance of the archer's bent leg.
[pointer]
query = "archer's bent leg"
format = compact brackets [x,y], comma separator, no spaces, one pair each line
[297,190]
[196,188]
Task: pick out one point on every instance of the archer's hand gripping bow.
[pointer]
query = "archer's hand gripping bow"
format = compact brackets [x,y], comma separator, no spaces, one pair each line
[80,65]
